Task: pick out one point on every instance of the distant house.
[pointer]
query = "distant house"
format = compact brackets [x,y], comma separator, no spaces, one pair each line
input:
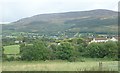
[98,40]
[17,42]
[58,43]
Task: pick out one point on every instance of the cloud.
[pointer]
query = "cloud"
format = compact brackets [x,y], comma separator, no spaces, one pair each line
[12,10]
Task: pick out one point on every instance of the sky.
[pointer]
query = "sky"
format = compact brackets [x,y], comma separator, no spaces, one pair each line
[13,10]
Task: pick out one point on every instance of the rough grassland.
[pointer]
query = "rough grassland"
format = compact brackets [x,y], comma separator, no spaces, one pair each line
[0,66]
[59,66]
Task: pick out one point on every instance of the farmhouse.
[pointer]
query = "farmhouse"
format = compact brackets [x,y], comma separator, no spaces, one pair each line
[98,40]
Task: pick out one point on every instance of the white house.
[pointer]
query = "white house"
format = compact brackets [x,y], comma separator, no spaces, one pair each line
[98,40]
[18,42]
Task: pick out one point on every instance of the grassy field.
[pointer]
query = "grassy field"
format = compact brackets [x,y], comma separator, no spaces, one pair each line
[59,66]
[12,49]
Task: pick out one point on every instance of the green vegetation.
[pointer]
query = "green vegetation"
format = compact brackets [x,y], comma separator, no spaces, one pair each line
[43,54]
[60,42]
[59,66]
[37,51]
[67,49]
[12,49]
[75,54]
[101,50]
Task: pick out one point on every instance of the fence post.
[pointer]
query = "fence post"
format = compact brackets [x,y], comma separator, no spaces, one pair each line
[100,66]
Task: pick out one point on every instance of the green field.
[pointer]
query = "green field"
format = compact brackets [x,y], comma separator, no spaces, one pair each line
[12,49]
[59,66]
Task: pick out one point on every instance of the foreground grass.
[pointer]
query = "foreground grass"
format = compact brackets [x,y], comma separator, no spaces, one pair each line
[59,66]
[0,66]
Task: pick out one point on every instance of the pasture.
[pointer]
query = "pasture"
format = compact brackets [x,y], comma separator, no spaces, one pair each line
[12,49]
[59,66]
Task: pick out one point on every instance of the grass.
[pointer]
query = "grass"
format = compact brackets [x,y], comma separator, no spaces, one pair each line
[12,49]
[0,66]
[59,66]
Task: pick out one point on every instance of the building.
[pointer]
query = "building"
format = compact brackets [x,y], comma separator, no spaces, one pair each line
[98,40]
[17,42]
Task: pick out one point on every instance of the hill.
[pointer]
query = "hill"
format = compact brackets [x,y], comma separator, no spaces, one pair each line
[93,21]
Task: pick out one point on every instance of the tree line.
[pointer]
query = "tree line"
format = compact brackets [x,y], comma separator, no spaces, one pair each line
[67,49]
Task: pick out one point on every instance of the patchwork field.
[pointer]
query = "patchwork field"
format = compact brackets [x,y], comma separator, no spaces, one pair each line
[59,66]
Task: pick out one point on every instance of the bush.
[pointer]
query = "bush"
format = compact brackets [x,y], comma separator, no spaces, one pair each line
[10,59]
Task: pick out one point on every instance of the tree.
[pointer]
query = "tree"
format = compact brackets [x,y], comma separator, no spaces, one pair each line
[37,51]
[53,51]
[101,50]
[118,44]
[112,49]
[79,45]
[96,50]
[66,52]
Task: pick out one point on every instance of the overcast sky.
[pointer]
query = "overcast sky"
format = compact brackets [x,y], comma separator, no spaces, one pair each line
[12,10]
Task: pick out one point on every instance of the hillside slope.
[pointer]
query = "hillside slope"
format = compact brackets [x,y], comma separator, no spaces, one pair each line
[101,21]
